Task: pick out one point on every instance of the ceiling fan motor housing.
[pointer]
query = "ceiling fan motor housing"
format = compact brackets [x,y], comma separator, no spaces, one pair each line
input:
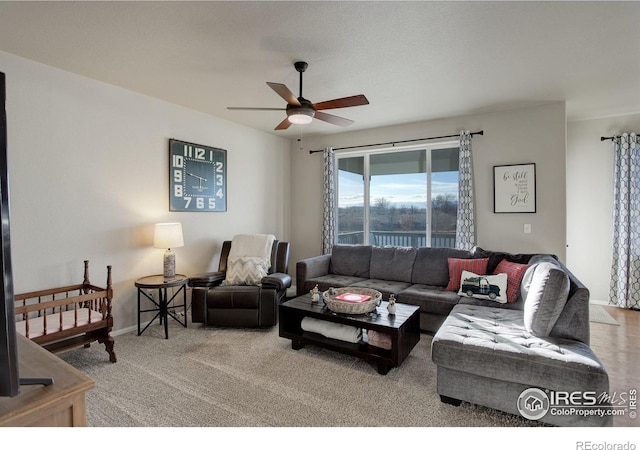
[301,114]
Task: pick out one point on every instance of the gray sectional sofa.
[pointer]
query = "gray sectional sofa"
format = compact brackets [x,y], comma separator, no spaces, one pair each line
[417,276]
[512,356]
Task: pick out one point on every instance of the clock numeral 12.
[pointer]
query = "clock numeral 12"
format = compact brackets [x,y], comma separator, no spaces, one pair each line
[197,153]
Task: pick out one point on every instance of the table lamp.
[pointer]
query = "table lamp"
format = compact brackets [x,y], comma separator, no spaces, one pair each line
[168,235]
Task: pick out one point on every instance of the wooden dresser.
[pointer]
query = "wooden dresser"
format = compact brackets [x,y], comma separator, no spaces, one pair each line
[61,404]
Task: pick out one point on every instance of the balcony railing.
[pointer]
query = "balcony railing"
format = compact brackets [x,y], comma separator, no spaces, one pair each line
[400,238]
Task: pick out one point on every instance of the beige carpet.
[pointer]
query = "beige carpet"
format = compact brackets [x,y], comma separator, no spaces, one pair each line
[212,377]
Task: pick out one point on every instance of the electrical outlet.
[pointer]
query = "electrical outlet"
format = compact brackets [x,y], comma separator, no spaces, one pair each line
[527,228]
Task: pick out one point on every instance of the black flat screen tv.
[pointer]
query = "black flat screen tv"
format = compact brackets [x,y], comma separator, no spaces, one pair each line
[9,377]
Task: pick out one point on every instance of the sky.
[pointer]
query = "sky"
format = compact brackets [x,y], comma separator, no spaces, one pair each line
[405,189]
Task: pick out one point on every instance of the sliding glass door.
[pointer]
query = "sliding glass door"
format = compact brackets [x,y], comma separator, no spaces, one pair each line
[398,197]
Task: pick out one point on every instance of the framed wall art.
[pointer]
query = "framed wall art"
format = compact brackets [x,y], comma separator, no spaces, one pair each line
[514,188]
[197,177]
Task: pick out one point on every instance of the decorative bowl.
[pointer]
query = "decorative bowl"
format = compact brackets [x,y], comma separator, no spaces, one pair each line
[346,307]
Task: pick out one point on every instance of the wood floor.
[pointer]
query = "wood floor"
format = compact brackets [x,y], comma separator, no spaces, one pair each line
[618,347]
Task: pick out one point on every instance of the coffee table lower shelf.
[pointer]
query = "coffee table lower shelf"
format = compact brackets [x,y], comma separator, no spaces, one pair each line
[403,328]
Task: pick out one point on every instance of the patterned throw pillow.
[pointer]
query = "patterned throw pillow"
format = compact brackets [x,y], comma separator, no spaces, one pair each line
[514,272]
[246,271]
[485,287]
[456,266]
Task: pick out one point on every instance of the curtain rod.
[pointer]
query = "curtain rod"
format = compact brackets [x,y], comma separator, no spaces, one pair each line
[609,138]
[481,132]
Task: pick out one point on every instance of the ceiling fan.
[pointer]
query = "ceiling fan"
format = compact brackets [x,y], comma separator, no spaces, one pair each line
[302,111]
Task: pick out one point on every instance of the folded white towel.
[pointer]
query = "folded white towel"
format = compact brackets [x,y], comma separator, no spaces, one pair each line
[332,330]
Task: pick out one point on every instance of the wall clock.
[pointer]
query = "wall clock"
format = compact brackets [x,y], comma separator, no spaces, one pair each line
[197,177]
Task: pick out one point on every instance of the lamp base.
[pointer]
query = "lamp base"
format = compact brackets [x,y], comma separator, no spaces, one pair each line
[169,264]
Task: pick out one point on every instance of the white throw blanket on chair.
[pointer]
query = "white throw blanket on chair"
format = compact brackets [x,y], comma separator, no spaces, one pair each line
[249,259]
[256,245]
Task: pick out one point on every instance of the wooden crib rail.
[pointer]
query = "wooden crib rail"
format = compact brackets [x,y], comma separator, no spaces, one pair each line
[68,316]
[87,301]
[50,292]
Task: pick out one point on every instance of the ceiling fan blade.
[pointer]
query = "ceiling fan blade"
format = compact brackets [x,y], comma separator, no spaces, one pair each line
[335,120]
[285,93]
[283,125]
[346,102]
[255,109]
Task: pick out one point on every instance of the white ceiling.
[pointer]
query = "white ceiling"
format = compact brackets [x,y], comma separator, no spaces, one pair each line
[413,60]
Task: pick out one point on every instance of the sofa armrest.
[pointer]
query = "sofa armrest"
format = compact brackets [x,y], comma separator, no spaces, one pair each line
[313,267]
[277,281]
[206,279]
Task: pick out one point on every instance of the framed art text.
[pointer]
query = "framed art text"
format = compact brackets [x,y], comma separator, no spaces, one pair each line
[514,188]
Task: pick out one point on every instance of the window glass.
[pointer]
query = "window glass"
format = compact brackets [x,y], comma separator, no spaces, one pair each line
[398,199]
[350,215]
[411,197]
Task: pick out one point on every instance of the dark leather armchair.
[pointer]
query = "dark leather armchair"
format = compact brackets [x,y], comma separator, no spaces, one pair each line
[241,306]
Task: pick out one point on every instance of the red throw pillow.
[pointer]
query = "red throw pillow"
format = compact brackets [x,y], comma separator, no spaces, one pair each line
[514,272]
[456,266]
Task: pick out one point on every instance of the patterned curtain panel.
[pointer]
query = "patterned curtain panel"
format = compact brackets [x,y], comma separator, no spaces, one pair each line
[465,223]
[329,201]
[625,269]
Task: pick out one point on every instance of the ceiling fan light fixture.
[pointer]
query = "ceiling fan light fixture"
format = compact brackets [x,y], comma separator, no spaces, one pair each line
[301,117]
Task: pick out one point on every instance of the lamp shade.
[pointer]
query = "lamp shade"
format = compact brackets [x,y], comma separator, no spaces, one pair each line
[168,235]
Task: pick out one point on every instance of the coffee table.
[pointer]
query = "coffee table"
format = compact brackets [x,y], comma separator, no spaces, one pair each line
[403,328]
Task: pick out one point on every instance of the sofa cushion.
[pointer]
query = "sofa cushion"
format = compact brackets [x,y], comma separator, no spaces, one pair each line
[495,257]
[519,305]
[430,299]
[386,287]
[234,297]
[431,267]
[392,263]
[545,291]
[456,266]
[351,260]
[514,272]
[324,282]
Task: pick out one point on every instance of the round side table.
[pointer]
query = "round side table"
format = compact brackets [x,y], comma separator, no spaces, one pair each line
[164,308]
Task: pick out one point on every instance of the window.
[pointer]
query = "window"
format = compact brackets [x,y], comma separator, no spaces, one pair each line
[405,197]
